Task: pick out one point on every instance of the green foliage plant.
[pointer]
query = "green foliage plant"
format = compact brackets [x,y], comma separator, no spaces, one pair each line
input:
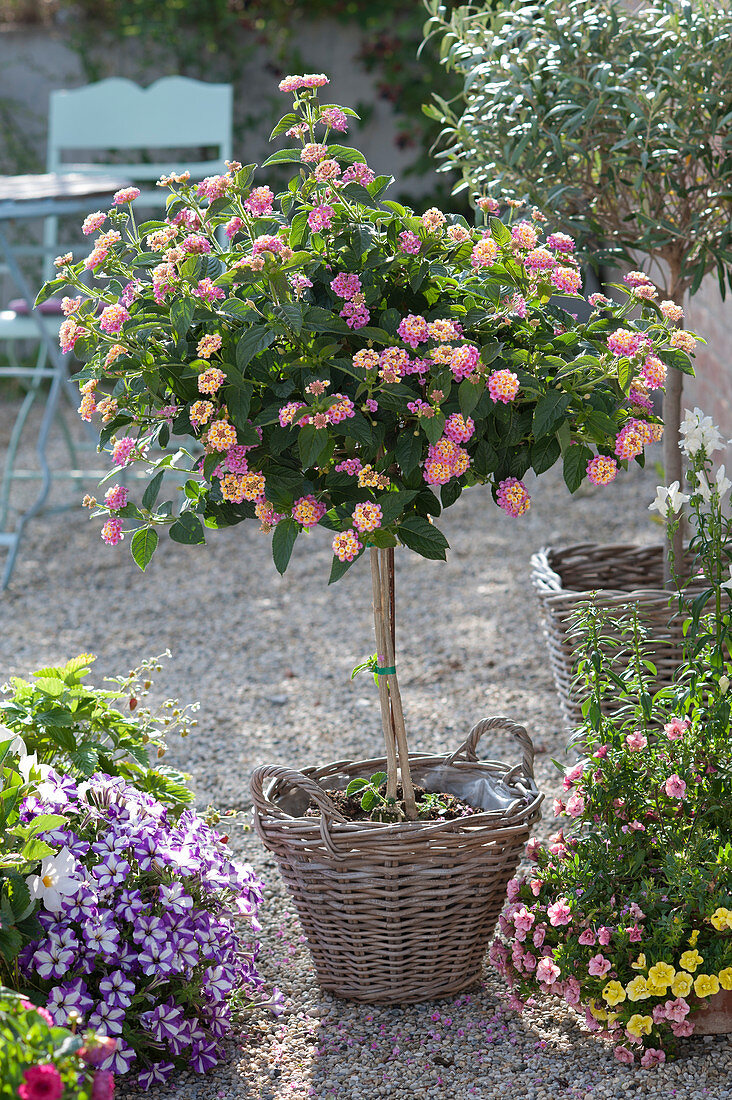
[40,1059]
[627,911]
[343,362]
[79,730]
[615,118]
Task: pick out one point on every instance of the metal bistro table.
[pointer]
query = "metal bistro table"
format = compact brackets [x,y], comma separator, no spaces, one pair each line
[41,196]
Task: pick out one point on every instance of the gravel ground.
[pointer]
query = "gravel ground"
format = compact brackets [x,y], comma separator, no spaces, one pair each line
[269,658]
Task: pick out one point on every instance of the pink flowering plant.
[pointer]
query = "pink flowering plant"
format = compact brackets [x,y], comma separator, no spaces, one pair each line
[151,941]
[627,911]
[327,357]
[40,1060]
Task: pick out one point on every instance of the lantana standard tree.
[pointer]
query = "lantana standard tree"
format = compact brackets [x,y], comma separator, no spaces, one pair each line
[617,119]
[342,362]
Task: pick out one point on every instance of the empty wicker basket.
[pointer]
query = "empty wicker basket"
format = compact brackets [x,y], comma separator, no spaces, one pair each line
[617,576]
[398,913]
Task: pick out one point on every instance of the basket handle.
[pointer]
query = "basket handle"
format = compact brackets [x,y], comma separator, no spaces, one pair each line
[264,806]
[468,749]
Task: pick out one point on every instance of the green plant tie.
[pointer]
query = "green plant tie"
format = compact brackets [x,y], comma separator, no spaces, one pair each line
[391,670]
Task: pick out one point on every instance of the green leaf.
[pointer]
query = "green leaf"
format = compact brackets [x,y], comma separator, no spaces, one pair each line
[292,312]
[499,232]
[356,785]
[469,394]
[393,504]
[423,537]
[298,230]
[181,314]
[450,492]
[187,529]
[408,451]
[284,156]
[343,153]
[151,492]
[36,849]
[575,465]
[549,412]
[432,426]
[144,543]
[283,541]
[338,568]
[544,453]
[254,340]
[311,443]
[238,401]
[50,288]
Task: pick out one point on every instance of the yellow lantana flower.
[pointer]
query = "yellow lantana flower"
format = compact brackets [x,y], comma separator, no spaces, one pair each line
[691,960]
[661,973]
[637,989]
[721,918]
[706,985]
[682,983]
[639,1025]
[614,993]
[725,978]
[640,962]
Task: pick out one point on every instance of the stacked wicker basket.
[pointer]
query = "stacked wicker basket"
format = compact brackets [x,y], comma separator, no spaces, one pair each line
[614,577]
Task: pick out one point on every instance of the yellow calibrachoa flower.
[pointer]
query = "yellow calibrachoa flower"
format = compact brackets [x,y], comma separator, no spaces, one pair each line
[694,937]
[597,1011]
[725,978]
[639,1025]
[614,993]
[706,985]
[691,961]
[682,983]
[640,962]
[721,918]
[637,990]
[661,973]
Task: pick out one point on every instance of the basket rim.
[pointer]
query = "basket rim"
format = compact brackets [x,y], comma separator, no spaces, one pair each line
[549,585]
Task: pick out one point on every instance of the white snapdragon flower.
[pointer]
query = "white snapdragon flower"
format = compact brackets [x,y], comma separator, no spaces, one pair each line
[55,881]
[705,487]
[698,432]
[668,499]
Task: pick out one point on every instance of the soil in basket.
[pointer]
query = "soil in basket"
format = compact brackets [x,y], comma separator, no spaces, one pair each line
[350,806]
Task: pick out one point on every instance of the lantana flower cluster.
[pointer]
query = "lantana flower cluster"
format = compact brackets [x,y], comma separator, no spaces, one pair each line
[142,938]
[328,326]
[627,912]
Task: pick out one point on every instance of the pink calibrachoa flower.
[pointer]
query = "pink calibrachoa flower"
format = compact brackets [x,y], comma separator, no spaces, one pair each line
[560,242]
[566,280]
[652,1057]
[539,935]
[513,889]
[559,913]
[116,497]
[503,385]
[604,935]
[575,805]
[320,218]
[598,966]
[602,469]
[211,380]
[523,919]
[572,991]
[484,253]
[587,938]
[458,428]
[675,787]
[547,971]
[367,516]
[308,511]
[112,318]
[512,497]
[409,242]
[122,450]
[524,235]
[92,222]
[346,545]
[676,728]
[207,292]
[624,1056]
[112,531]
[636,741]
[126,194]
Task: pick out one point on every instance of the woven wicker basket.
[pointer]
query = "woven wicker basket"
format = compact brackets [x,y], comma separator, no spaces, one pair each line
[397,913]
[617,576]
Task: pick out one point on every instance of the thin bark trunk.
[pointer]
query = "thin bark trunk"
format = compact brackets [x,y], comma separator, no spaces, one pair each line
[380,629]
[395,698]
[672,461]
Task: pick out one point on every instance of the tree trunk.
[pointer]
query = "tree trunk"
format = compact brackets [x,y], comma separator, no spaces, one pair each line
[392,715]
